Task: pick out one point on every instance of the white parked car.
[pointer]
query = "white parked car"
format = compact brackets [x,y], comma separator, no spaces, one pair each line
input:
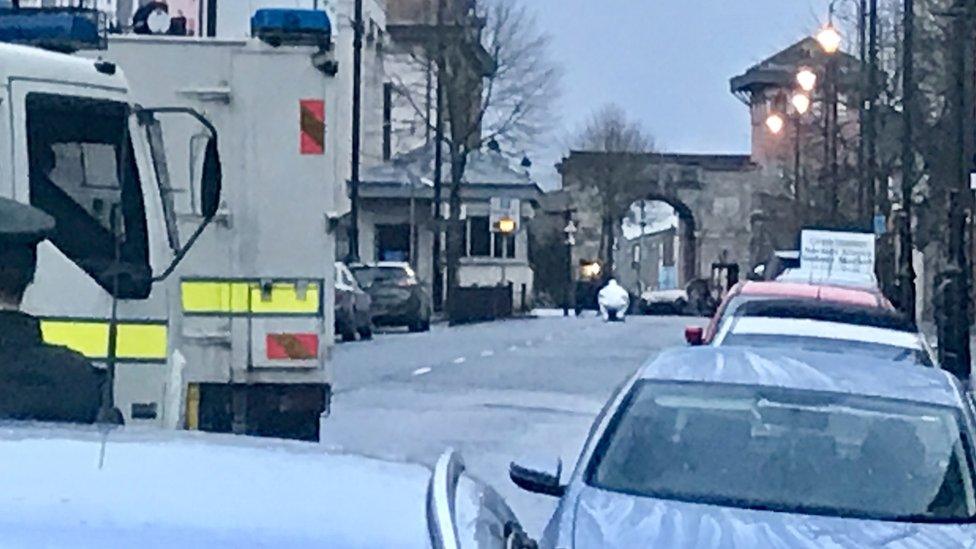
[673,302]
[806,334]
[84,486]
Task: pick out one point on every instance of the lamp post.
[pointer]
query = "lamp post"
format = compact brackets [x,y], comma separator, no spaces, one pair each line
[801,105]
[830,41]
[640,248]
[570,232]
[907,267]
[800,102]
[357,84]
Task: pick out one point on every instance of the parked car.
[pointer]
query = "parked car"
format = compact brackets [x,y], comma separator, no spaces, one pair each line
[778,262]
[129,487]
[751,291]
[848,339]
[668,302]
[352,306]
[760,448]
[398,298]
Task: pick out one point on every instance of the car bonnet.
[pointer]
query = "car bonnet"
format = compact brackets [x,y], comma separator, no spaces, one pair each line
[610,520]
[81,488]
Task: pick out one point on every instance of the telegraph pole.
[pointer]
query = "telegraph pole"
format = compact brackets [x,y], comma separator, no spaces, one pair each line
[907,268]
[438,277]
[357,77]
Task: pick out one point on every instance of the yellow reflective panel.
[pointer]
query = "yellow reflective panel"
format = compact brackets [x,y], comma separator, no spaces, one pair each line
[205,297]
[237,299]
[285,298]
[141,342]
[87,338]
[215,297]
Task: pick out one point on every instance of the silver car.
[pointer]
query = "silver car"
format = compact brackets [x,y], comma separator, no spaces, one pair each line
[80,487]
[738,447]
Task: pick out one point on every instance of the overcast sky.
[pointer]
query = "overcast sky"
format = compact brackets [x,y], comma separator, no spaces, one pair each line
[667,62]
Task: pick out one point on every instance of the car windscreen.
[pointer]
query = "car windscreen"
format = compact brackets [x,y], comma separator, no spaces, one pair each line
[788,451]
[369,276]
[848,349]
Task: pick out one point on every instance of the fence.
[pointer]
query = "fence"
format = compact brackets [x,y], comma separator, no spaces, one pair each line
[481,304]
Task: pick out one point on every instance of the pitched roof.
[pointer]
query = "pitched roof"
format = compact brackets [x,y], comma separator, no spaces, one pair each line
[485,170]
[779,70]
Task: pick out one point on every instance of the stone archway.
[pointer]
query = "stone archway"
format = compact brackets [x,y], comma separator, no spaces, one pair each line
[712,194]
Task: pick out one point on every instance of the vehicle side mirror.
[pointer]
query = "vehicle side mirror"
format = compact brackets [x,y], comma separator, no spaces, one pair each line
[211,184]
[538,482]
[695,335]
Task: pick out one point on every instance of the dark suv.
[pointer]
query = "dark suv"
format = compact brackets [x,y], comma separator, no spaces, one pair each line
[398,298]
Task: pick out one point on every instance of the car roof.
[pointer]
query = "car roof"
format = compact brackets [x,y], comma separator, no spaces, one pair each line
[193,487]
[853,296]
[821,329]
[383,265]
[804,370]
[864,281]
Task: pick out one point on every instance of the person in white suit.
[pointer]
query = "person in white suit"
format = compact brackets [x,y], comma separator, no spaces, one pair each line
[614,301]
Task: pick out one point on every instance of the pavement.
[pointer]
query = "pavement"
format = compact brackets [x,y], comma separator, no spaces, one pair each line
[524,390]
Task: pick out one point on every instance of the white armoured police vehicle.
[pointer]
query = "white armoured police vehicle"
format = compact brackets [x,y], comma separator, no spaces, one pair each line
[256,293]
[74,144]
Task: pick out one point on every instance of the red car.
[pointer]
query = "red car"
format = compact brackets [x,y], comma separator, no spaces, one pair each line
[745,292]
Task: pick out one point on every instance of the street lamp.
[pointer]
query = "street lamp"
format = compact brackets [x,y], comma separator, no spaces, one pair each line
[775,123]
[807,79]
[801,103]
[830,39]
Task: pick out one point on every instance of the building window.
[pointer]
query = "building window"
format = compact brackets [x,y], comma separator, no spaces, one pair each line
[479,237]
[503,246]
[393,242]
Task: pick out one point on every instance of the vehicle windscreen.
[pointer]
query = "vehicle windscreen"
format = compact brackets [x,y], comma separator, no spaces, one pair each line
[843,347]
[382,276]
[738,301]
[789,451]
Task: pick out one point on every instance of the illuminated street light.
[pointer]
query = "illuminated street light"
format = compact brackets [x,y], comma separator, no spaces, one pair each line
[807,79]
[775,123]
[830,40]
[590,271]
[801,102]
[506,225]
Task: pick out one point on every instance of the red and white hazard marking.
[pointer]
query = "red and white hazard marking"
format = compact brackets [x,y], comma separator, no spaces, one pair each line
[312,123]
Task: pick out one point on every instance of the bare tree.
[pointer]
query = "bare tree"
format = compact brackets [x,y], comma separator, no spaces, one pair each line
[609,130]
[497,81]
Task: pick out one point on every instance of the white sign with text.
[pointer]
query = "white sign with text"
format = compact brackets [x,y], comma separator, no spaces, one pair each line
[836,252]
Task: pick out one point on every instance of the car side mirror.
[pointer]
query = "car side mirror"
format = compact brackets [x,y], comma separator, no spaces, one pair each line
[538,482]
[695,335]
[211,184]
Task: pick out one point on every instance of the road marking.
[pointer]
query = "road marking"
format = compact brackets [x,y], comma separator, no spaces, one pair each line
[422,371]
[487,353]
[513,348]
[460,360]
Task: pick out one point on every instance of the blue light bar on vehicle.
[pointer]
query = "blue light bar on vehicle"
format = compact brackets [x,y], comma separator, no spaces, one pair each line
[59,29]
[294,27]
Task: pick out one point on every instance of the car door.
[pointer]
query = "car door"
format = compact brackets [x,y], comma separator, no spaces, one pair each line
[465,512]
